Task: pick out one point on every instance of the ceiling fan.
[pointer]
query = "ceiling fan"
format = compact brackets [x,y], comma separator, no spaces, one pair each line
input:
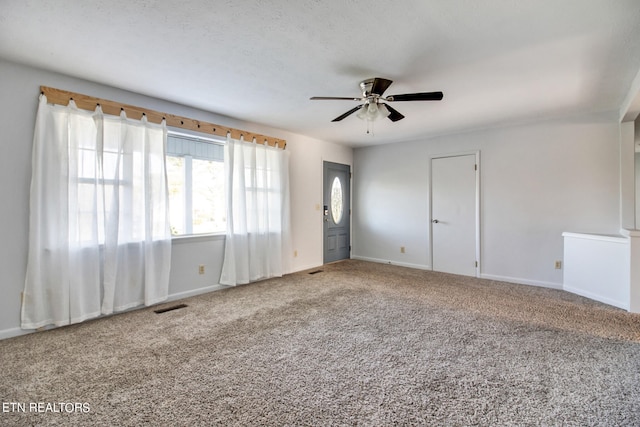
[373,107]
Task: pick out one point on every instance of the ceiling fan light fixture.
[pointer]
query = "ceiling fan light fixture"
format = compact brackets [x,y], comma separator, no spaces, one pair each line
[372,111]
[383,111]
[362,112]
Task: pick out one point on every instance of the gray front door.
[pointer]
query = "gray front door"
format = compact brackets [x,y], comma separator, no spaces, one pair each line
[336,211]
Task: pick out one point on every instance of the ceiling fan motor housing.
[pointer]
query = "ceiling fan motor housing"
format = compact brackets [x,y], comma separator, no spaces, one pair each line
[366,86]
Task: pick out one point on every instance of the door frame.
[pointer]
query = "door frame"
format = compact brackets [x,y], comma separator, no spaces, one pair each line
[475,153]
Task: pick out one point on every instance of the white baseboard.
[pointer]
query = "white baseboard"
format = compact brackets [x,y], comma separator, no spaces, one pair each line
[194,292]
[507,279]
[15,332]
[300,268]
[520,281]
[596,297]
[386,261]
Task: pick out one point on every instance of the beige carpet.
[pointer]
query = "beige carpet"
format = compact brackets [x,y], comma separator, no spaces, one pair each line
[356,344]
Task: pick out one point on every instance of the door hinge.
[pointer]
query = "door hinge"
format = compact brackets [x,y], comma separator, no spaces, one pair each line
[349,248]
[475,167]
[476,264]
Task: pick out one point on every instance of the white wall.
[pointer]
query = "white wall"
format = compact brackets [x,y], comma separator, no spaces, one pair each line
[637,190]
[627,176]
[536,181]
[19,90]
[636,151]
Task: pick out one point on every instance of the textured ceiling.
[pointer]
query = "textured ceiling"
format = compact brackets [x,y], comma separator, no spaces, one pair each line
[497,61]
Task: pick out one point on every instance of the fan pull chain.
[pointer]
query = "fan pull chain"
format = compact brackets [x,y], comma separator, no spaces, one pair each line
[370,127]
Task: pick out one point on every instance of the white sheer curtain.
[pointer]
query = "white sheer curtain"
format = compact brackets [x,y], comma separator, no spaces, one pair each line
[99,238]
[258,242]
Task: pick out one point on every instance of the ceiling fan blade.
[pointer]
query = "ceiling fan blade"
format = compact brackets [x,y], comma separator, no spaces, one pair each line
[394,115]
[380,85]
[421,96]
[348,113]
[322,98]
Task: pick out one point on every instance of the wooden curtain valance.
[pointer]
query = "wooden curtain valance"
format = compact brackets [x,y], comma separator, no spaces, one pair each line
[62,97]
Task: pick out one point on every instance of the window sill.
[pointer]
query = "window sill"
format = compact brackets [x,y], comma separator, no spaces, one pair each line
[197,238]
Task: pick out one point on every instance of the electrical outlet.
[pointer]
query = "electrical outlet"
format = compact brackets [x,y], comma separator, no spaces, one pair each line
[558,265]
[201,269]
[401,249]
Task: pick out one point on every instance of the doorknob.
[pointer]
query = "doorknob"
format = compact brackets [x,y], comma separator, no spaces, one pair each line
[435,221]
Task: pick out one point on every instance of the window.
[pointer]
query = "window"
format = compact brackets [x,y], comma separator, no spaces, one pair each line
[195,174]
[336,200]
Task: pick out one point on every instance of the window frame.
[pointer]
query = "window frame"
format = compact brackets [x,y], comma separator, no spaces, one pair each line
[188,182]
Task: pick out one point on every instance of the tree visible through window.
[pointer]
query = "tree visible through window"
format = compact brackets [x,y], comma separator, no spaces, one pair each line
[195,173]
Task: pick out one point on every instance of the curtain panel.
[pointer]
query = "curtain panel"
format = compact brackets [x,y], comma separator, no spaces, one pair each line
[258,240]
[99,235]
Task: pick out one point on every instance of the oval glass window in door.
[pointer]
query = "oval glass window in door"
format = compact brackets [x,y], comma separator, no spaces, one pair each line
[336,200]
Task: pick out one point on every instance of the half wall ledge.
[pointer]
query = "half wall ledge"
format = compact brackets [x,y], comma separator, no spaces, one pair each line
[600,267]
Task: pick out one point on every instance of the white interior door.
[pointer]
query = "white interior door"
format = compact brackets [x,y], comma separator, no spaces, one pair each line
[453,214]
